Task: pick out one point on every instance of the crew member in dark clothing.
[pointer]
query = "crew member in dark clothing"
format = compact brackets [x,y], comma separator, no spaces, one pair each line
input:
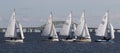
[105,38]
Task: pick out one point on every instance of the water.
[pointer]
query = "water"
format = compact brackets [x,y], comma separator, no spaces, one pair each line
[34,44]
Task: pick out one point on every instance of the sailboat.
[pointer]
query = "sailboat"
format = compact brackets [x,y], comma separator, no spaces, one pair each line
[65,31]
[53,34]
[105,30]
[11,34]
[49,30]
[82,33]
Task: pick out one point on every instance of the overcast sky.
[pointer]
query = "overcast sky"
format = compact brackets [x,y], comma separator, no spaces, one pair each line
[35,12]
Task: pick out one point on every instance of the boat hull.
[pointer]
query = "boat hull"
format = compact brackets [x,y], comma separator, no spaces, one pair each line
[68,40]
[18,40]
[54,40]
[101,40]
[83,40]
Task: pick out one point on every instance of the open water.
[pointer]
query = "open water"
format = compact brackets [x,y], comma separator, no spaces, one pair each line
[33,44]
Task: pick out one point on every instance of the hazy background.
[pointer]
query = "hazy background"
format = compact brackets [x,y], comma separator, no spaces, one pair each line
[36,12]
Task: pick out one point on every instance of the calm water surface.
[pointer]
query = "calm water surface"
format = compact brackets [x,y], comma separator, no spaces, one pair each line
[34,44]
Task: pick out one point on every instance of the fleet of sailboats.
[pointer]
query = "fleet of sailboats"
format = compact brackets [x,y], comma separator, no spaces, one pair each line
[104,29]
[80,32]
[11,34]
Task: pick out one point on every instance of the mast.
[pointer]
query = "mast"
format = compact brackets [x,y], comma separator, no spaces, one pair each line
[110,28]
[85,32]
[70,24]
[51,27]
[84,26]
[108,22]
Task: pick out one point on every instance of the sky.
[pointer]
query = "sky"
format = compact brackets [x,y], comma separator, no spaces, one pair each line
[36,12]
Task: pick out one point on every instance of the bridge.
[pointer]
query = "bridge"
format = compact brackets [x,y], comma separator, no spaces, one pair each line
[58,24]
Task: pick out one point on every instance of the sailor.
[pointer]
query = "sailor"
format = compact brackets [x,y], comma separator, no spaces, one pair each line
[50,38]
[105,38]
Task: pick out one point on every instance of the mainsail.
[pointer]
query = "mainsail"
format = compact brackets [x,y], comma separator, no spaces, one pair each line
[11,29]
[103,26]
[79,29]
[47,28]
[66,26]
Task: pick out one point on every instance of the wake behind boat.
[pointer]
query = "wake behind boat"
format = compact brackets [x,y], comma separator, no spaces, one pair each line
[11,34]
[103,29]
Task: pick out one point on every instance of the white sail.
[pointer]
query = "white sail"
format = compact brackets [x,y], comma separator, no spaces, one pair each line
[79,29]
[83,33]
[21,31]
[103,25]
[74,27]
[87,34]
[82,29]
[112,31]
[53,32]
[47,28]
[11,29]
[66,26]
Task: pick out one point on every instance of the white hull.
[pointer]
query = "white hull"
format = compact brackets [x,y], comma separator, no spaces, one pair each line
[18,40]
[54,39]
[83,40]
[100,40]
[69,40]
